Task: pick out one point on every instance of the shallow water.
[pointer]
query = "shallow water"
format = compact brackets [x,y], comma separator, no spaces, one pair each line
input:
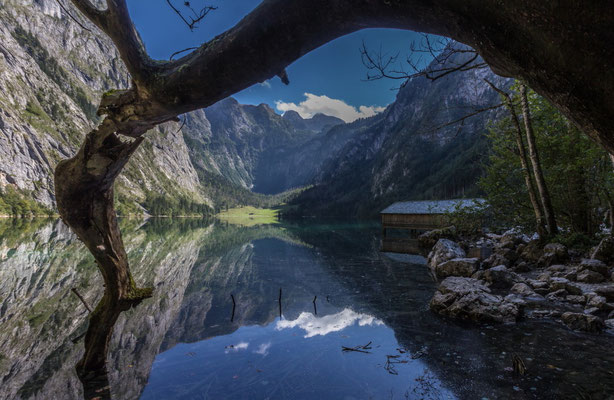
[337,290]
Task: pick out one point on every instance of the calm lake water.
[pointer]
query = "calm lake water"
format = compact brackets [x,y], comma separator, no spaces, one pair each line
[337,291]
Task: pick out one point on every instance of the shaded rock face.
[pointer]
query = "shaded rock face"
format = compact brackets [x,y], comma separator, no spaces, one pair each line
[444,250]
[500,277]
[553,253]
[470,299]
[595,265]
[457,267]
[52,74]
[582,322]
[588,276]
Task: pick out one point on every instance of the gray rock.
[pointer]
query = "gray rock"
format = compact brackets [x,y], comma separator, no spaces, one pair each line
[591,310]
[522,289]
[457,267]
[596,301]
[500,277]
[443,251]
[553,253]
[594,265]
[604,250]
[537,284]
[582,322]
[494,260]
[573,288]
[557,295]
[575,299]
[609,323]
[588,276]
[532,252]
[470,299]
[558,283]
[606,291]
[522,266]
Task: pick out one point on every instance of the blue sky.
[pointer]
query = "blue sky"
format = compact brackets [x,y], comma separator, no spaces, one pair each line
[329,79]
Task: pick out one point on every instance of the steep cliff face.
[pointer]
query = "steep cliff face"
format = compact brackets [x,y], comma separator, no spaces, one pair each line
[52,74]
[252,146]
[408,152]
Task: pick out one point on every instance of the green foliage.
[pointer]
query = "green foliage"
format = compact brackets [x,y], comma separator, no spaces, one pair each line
[578,172]
[575,240]
[54,70]
[157,204]
[18,203]
[468,220]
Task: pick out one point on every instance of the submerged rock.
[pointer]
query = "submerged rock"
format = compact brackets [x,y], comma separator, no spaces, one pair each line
[582,322]
[443,251]
[457,267]
[470,299]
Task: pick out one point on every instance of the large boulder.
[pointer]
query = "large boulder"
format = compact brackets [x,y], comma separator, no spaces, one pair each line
[606,291]
[430,238]
[532,252]
[594,265]
[588,276]
[554,253]
[443,251]
[500,277]
[582,322]
[523,289]
[457,267]
[470,299]
[604,250]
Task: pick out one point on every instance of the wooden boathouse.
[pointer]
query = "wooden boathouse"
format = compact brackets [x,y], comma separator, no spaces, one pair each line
[423,215]
[402,221]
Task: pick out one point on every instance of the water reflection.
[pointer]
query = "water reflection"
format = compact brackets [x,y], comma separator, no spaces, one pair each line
[185,343]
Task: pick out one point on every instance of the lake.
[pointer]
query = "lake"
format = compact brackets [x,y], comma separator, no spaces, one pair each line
[284,311]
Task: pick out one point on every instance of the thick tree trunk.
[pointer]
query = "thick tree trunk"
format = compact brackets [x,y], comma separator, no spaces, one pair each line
[84,194]
[544,194]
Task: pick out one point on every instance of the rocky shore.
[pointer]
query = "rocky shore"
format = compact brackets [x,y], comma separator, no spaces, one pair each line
[504,278]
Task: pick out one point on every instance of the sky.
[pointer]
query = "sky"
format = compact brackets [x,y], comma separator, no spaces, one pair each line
[330,79]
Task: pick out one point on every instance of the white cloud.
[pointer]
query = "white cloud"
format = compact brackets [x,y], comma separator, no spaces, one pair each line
[313,325]
[263,349]
[236,347]
[265,84]
[315,104]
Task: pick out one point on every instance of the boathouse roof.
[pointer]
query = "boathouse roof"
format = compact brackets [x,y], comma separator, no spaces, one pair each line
[431,206]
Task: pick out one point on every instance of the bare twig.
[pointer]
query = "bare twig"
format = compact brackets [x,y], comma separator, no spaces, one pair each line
[380,65]
[82,299]
[198,16]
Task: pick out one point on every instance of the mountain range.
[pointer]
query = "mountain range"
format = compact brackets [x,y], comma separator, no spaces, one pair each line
[52,74]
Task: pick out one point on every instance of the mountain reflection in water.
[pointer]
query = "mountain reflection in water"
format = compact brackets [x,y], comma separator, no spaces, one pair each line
[182,343]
